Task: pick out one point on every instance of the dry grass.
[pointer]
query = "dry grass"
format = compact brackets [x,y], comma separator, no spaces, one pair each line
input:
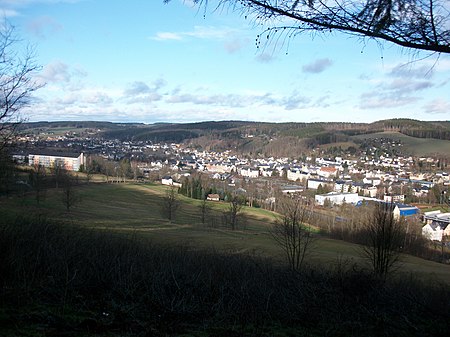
[135,208]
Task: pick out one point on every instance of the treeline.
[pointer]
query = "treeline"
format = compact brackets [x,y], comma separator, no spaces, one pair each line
[329,137]
[73,124]
[199,186]
[415,128]
[150,134]
[193,188]
[113,170]
[427,133]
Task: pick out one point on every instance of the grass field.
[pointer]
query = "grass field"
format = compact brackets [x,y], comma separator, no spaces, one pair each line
[412,145]
[135,208]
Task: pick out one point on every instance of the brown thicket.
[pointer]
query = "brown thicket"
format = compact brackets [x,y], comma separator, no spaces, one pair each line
[73,281]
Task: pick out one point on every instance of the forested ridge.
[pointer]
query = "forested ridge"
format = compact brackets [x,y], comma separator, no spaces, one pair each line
[270,139]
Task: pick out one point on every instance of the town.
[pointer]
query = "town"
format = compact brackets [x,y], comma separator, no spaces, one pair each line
[414,184]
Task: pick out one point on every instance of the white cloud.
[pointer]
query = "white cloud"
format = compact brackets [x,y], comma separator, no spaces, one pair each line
[199,32]
[42,26]
[163,36]
[265,58]
[99,98]
[438,106]
[137,88]
[317,66]
[189,3]
[295,101]
[409,71]
[233,45]
[8,13]
[56,71]
[140,92]
[377,100]
[397,86]
[10,8]
[402,85]
[209,32]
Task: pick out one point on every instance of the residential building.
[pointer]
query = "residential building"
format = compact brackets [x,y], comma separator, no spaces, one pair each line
[399,198]
[327,172]
[213,197]
[249,172]
[436,231]
[315,183]
[337,198]
[70,162]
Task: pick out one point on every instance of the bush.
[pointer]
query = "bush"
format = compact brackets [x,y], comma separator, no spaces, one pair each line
[123,285]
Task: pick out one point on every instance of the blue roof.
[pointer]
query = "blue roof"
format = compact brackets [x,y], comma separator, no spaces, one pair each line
[409,211]
[404,206]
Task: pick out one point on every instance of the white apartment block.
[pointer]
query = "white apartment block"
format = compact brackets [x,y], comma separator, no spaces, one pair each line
[67,162]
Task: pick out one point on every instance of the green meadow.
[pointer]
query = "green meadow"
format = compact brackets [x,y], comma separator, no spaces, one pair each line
[129,208]
[412,145]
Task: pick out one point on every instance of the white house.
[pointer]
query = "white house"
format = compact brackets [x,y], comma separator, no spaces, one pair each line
[315,183]
[394,198]
[370,191]
[435,231]
[295,174]
[249,172]
[437,224]
[337,198]
[372,181]
[168,181]
[213,197]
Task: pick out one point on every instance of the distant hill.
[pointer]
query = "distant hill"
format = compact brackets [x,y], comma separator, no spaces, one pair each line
[271,139]
[76,125]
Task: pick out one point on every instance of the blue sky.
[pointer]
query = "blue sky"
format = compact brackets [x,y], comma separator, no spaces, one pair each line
[144,61]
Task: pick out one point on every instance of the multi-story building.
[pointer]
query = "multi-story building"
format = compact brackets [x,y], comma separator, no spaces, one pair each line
[70,162]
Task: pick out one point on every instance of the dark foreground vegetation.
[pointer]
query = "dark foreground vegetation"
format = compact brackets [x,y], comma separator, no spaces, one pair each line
[57,280]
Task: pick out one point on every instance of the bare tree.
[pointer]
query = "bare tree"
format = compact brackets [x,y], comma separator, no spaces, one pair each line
[170,204]
[37,180]
[16,83]
[70,196]
[416,24]
[89,173]
[384,235]
[59,172]
[204,210]
[292,231]
[233,215]
[7,172]
[88,169]
[135,170]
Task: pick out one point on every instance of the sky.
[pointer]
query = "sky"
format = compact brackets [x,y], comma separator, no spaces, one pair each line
[146,61]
